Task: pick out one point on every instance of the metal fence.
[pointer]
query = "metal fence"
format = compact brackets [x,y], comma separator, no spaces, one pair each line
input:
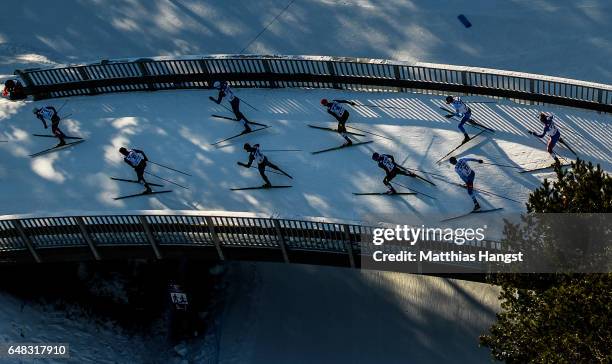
[255,238]
[216,237]
[152,74]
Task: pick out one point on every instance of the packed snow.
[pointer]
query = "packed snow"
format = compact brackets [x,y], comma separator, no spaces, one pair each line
[175,128]
[541,36]
[330,315]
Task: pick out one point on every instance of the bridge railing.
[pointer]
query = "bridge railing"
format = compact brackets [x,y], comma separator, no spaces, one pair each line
[208,235]
[150,74]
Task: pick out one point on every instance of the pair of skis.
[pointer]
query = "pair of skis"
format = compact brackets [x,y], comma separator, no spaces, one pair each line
[258,188]
[470,213]
[537,169]
[341,146]
[383,193]
[279,171]
[57,148]
[263,126]
[141,193]
[416,175]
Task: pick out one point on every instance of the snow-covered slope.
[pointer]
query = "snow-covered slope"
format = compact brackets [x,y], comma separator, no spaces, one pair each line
[176,129]
[539,36]
[330,315]
[89,341]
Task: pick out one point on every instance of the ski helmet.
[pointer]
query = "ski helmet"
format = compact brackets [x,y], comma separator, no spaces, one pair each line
[324,102]
[217,84]
[449,99]
[452,160]
[9,83]
[247,146]
[545,117]
[375,156]
[123,151]
[35,110]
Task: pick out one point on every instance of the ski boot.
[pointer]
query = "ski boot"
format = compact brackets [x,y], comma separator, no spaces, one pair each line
[147,189]
[391,191]
[476,206]
[466,138]
[266,185]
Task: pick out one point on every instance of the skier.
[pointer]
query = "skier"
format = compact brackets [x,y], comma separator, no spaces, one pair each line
[225,90]
[48,113]
[13,89]
[387,163]
[461,110]
[136,159]
[341,114]
[255,154]
[467,175]
[553,132]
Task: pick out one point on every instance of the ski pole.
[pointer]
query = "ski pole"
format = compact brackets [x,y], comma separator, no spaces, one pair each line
[249,105]
[383,107]
[226,108]
[269,170]
[562,141]
[416,175]
[172,169]
[61,107]
[364,131]
[482,191]
[495,194]
[282,150]
[502,165]
[163,179]
[419,170]
[413,190]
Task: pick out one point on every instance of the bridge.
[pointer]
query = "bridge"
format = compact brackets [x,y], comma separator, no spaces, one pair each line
[249,236]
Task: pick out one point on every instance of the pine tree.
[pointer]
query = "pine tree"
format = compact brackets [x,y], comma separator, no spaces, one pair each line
[563,317]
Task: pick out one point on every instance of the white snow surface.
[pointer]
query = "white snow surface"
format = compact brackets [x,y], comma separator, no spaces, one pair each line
[547,37]
[330,315]
[175,128]
[89,342]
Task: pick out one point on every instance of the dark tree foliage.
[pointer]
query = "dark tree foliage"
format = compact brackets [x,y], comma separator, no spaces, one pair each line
[581,189]
[558,318]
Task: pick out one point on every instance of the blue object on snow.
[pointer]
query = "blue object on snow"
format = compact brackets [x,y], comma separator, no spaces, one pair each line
[464,21]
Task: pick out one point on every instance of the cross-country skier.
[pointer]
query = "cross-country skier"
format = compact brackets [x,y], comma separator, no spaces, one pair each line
[341,114]
[136,159]
[387,163]
[48,113]
[256,155]
[13,89]
[467,175]
[225,90]
[461,110]
[553,132]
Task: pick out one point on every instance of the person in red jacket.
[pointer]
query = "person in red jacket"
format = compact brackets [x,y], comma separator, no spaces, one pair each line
[13,89]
